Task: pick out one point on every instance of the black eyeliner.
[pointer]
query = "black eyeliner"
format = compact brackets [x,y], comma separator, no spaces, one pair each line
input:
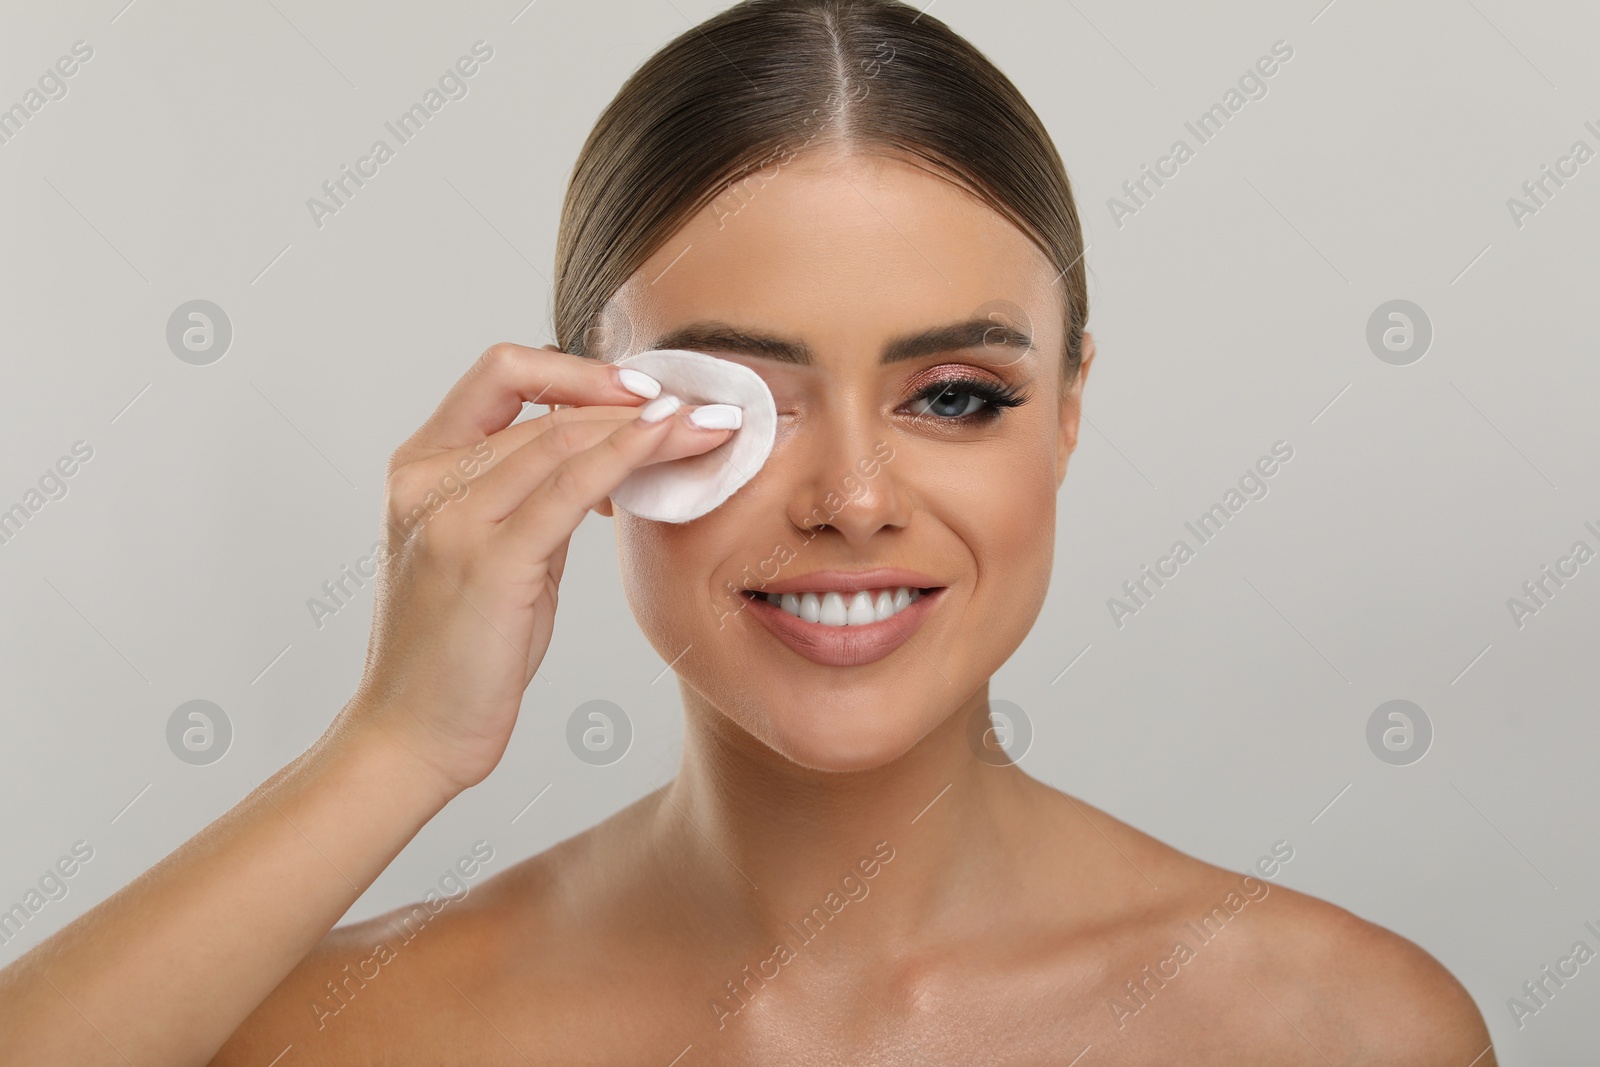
[997,397]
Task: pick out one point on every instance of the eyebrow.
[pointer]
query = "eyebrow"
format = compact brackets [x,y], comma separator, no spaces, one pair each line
[719,336]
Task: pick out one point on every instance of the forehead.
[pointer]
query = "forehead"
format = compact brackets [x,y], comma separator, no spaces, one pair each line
[843,251]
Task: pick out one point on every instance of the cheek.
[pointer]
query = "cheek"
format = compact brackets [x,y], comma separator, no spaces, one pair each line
[647,558]
[667,574]
[1002,506]
[1010,525]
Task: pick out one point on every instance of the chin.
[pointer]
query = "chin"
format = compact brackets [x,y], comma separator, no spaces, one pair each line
[840,739]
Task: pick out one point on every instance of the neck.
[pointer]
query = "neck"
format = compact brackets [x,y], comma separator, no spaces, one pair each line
[764,841]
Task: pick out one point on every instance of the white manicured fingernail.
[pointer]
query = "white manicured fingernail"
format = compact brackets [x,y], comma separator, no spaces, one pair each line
[639,383]
[659,408]
[717,417]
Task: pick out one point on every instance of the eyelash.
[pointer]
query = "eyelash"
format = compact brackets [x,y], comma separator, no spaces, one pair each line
[997,398]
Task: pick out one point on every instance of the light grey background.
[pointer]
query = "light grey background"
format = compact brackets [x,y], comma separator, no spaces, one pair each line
[1230,311]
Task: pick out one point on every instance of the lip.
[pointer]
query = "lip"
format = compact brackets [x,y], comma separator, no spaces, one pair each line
[845,646]
[851,581]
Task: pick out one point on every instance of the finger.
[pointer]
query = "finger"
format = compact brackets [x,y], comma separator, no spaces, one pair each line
[503,489]
[504,442]
[491,393]
[441,471]
[554,507]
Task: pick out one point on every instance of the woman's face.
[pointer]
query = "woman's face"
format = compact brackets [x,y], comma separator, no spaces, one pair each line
[876,464]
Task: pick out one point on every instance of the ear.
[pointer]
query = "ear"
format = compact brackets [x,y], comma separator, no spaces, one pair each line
[1071,410]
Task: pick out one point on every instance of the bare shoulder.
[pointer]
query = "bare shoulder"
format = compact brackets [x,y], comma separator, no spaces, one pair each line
[1273,968]
[365,984]
[412,984]
[1382,997]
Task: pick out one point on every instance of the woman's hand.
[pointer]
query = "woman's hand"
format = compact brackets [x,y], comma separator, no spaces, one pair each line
[479,514]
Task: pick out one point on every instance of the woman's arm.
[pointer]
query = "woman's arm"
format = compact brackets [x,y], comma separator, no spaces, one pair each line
[164,970]
[479,513]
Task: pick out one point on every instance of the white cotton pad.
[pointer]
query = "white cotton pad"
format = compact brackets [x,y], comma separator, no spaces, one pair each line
[678,490]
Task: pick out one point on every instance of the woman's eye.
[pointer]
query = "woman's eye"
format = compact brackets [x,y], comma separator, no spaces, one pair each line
[965,401]
[949,403]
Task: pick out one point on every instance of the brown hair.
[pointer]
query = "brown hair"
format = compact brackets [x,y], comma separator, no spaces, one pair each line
[742,92]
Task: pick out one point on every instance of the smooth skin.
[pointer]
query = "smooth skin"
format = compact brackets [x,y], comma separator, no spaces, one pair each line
[968,913]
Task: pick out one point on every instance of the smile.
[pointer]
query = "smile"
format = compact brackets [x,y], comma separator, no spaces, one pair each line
[833,609]
[843,628]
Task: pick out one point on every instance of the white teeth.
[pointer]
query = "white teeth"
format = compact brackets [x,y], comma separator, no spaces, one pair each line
[832,609]
[834,613]
[861,611]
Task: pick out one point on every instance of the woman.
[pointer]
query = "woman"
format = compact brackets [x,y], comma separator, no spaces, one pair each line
[846,197]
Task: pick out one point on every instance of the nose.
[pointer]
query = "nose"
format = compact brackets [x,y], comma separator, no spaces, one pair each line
[848,483]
